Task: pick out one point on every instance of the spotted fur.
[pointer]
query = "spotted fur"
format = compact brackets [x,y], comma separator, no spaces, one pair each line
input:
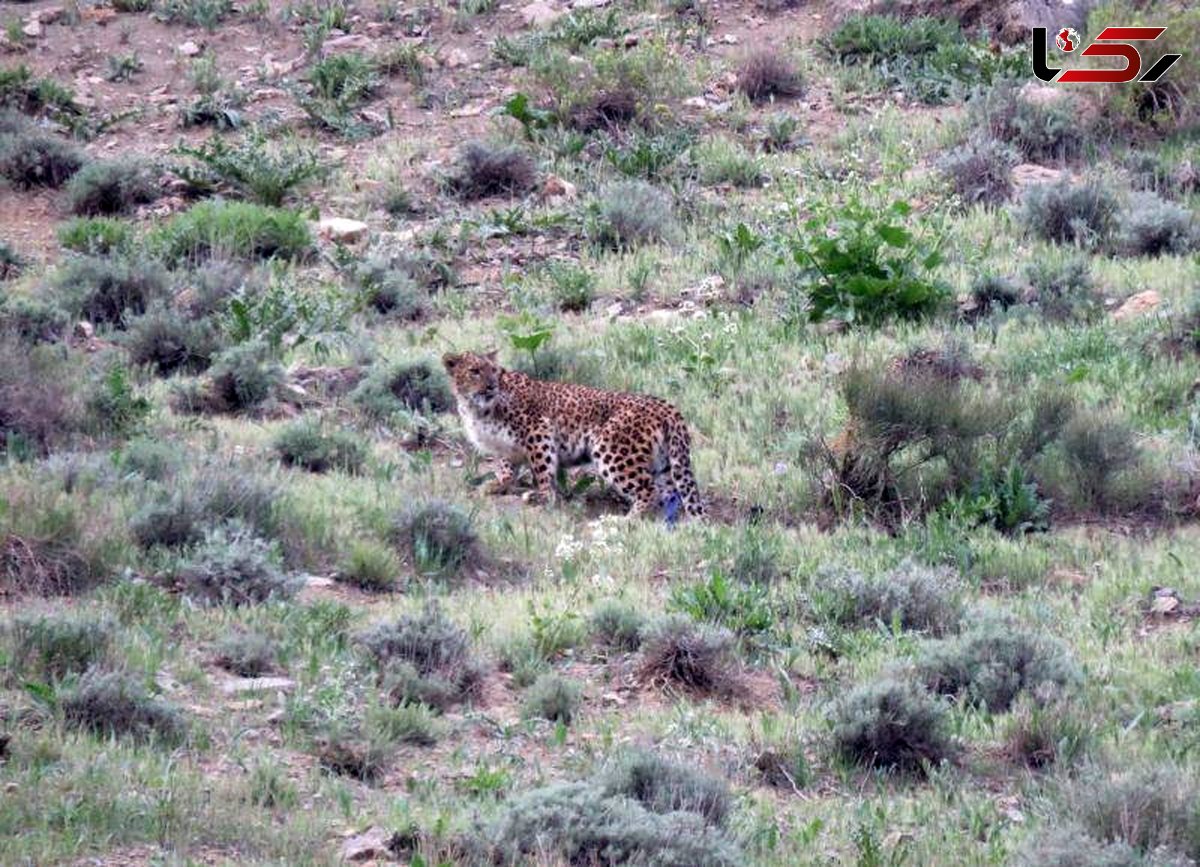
[638,444]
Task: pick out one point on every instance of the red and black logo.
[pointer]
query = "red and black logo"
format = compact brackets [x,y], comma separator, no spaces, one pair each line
[1112,42]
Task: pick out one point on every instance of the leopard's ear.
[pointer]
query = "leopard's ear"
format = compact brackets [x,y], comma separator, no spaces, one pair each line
[492,355]
[451,360]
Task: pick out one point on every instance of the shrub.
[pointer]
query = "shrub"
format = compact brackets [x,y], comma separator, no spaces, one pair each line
[255,167]
[995,661]
[236,230]
[991,293]
[608,106]
[678,651]
[107,289]
[234,567]
[722,161]
[114,406]
[866,267]
[39,401]
[582,825]
[208,288]
[663,786]
[1083,214]
[1062,287]
[1071,846]
[910,596]
[892,724]
[247,654]
[980,171]
[628,214]
[369,566]
[1038,736]
[348,755]
[110,187]
[391,290]
[618,625]
[573,288]
[50,647]
[1151,809]
[492,170]
[404,724]
[197,13]
[640,154]
[414,386]
[12,263]
[245,376]
[1042,129]
[112,703]
[31,158]
[169,343]
[438,538]
[743,608]
[1153,227]
[180,515]
[552,697]
[307,445]
[151,459]
[32,320]
[766,74]
[1099,449]
[344,80]
[96,235]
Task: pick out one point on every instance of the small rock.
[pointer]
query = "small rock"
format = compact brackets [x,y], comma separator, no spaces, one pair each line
[342,230]
[84,331]
[350,42]
[372,843]
[188,49]
[539,14]
[239,685]
[557,188]
[318,581]
[631,40]
[455,58]
[589,4]
[99,15]
[1136,305]
[1030,174]
[33,29]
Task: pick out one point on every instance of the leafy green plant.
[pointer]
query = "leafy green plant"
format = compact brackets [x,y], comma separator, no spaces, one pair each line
[744,609]
[1007,500]
[532,119]
[255,168]
[232,229]
[647,155]
[123,67]
[573,287]
[867,266]
[308,445]
[96,235]
[197,13]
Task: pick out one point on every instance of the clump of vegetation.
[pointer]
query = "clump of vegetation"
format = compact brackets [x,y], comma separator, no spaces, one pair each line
[112,703]
[980,171]
[911,596]
[722,161]
[232,566]
[391,290]
[96,235]
[1150,226]
[245,376]
[892,724]
[677,651]
[493,170]
[255,168]
[404,387]
[1083,214]
[107,289]
[49,647]
[1102,459]
[247,654]
[995,661]
[768,74]
[232,230]
[170,343]
[628,214]
[197,13]
[425,658]
[1040,735]
[108,187]
[1070,846]
[1040,129]
[1063,289]
[868,267]
[573,288]
[618,625]
[370,565]
[307,444]
[180,515]
[12,263]
[552,697]
[439,539]
[32,158]
[664,786]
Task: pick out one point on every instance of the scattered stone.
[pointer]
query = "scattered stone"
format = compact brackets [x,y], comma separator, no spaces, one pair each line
[33,29]
[589,4]
[454,58]
[240,685]
[1031,174]
[318,581]
[188,49]
[342,229]
[539,14]
[372,843]
[99,15]
[1136,305]
[555,188]
[350,42]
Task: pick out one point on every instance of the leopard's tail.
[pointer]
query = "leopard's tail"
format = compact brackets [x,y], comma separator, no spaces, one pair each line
[679,452]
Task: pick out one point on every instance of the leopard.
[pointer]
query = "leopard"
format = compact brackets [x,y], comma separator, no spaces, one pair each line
[639,445]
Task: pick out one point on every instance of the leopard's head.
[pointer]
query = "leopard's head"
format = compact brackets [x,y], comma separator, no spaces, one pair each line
[474,378]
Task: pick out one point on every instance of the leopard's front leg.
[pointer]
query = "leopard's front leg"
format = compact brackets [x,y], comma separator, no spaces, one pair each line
[542,452]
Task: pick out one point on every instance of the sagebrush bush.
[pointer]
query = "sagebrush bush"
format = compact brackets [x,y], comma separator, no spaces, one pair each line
[152,459]
[631,213]
[552,697]
[49,647]
[40,397]
[232,566]
[308,445]
[892,724]
[1038,736]
[1070,846]
[438,538]
[232,230]
[911,596]
[720,160]
[369,565]
[996,660]
[112,703]
[108,187]
[180,514]
[992,293]
[1040,129]
[245,376]
[582,825]
[677,651]
[391,290]
[766,73]
[32,319]
[1150,226]
[493,170]
[96,235]
[1101,452]
[618,625]
[348,754]
[406,386]
[247,654]
[1063,288]
[980,171]
[31,158]
[12,263]
[107,289]
[665,786]
[1084,214]
[169,343]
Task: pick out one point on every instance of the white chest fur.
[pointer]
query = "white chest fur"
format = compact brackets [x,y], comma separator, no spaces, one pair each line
[491,438]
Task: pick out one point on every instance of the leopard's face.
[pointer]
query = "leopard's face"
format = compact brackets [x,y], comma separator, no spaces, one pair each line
[474,378]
